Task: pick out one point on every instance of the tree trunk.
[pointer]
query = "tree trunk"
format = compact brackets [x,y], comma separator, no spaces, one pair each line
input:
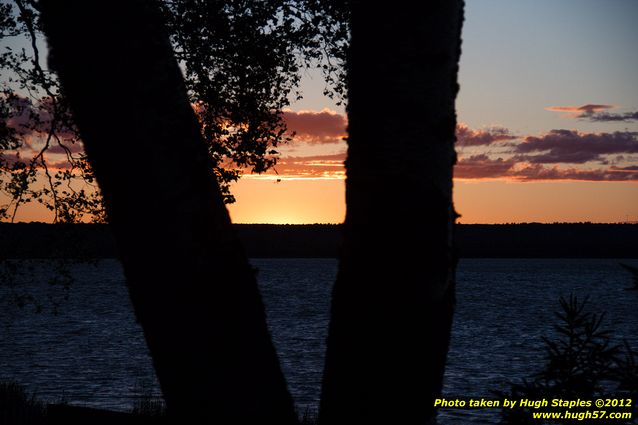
[393,299]
[192,288]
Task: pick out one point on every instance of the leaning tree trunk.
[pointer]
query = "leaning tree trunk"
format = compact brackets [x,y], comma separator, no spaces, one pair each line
[192,288]
[393,299]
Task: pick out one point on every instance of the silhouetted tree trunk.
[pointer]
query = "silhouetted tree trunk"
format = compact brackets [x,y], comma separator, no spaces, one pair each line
[192,288]
[393,299]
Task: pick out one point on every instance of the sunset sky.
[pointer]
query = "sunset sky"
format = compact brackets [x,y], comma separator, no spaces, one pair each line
[548,124]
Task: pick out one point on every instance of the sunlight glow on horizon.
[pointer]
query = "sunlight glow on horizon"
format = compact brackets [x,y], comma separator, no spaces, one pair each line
[479,202]
[291,201]
[529,69]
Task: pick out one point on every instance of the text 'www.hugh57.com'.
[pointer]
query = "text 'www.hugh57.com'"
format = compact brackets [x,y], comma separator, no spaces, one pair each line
[549,409]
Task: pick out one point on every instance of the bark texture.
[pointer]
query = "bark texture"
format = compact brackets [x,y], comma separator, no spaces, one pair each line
[192,288]
[393,299]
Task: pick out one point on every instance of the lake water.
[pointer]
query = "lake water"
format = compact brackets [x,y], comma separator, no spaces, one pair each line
[93,353]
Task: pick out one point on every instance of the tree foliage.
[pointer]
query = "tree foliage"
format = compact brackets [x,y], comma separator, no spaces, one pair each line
[36,125]
[242,61]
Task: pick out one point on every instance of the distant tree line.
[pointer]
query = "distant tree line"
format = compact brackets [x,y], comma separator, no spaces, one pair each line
[533,240]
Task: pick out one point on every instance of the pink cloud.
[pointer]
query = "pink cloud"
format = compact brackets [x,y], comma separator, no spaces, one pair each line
[313,166]
[482,166]
[24,117]
[58,165]
[72,147]
[579,111]
[597,113]
[539,172]
[589,108]
[538,157]
[325,126]
[465,136]
[34,118]
[533,158]
[9,160]
[628,169]
[571,146]
[330,127]
[336,157]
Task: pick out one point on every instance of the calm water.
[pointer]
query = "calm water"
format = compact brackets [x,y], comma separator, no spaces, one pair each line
[93,353]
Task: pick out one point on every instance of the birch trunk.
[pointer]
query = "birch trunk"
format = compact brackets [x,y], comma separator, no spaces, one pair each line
[393,299]
[192,288]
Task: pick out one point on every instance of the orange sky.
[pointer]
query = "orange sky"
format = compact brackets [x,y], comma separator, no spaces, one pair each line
[548,113]
[322,201]
[548,124]
[502,175]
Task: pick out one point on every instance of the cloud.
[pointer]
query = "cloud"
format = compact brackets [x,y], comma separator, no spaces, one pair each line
[538,157]
[33,119]
[629,169]
[595,113]
[24,117]
[539,172]
[610,117]
[579,111]
[58,165]
[546,156]
[74,148]
[11,159]
[585,109]
[482,166]
[313,166]
[325,126]
[571,146]
[331,158]
[465,136]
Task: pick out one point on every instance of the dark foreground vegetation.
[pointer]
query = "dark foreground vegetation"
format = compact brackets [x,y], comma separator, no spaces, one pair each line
[18,407]
[583,362]
[533,240]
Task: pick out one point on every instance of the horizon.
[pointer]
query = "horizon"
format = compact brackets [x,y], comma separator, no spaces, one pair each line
[635,222]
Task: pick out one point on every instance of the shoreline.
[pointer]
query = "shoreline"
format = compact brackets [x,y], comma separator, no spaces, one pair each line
[533,240]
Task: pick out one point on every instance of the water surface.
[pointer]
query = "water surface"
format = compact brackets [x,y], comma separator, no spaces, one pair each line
[93,352]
